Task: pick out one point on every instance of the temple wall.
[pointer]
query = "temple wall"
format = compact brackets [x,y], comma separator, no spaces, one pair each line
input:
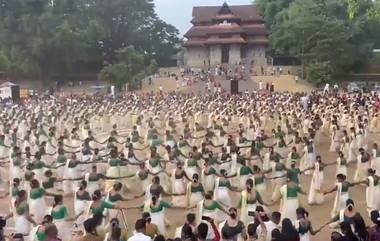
[215,55]
[234,57]
[196,57]
[257,54]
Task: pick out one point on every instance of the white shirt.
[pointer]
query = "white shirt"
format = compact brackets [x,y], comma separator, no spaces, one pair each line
[270,227]
[139,237]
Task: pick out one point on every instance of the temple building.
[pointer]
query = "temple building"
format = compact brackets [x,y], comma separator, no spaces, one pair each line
[226,35]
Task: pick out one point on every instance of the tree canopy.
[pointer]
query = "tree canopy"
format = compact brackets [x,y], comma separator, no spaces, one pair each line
[328,36]
[45,38]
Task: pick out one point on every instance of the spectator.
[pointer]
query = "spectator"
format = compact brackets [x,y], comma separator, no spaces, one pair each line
[115,234]
[251,230]
[276,235]
[114,224]
[190,223]
[348,235]
[40,229]
[51,233]
[233,227]
[159,238]
[288,231]
[335,236]
[203,231]
[151,229]
[90,228]
[140,232]
[374,231]
[264,217]
[271,225]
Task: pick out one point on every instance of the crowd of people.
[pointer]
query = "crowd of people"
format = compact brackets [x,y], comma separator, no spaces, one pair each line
[72,167]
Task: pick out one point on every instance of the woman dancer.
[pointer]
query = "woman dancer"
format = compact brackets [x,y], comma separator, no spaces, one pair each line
[342,193]
[363,165]
[21,214]
[222,188]
[61,218]
[303,225]
[289,199]
[248,201]
[341,167]
[114,198]
[37,201]
[82,199]
[194,191]
[178,181]
[211,208]
[315,195]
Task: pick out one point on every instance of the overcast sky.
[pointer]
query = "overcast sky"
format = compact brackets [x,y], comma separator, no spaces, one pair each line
[178,12]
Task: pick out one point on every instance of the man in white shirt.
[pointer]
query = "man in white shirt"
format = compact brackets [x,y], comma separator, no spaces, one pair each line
[260,85]
[139,232]
[326,89]
[270,225]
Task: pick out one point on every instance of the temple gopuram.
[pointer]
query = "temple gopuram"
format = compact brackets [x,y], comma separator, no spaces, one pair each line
[226,35]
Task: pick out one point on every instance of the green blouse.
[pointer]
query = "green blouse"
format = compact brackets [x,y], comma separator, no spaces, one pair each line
[293,174]
[211,171]
[15,191]
[114,162]
[83,197]
[153,162]
[182,144]
[224,183]
[95,177]
[192,163]
[61,159]
[259,180]
[38,164]
[345,186]
[115,198]
[197,189]
[100,209]
[49,183]
[37,193]
[215,205]
[252,201]
[17,162]
[244,171]
[292,192]
[22,208]
[41,236]
[156,142]
[294,156]
[73,164]
[61,213]
[161,206]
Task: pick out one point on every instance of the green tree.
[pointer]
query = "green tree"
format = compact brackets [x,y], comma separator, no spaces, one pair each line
[131,67]
[4,62]
[47,39]
[331,36]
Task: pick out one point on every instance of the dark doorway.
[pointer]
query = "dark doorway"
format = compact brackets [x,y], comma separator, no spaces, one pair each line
[243,51]
[225,54]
